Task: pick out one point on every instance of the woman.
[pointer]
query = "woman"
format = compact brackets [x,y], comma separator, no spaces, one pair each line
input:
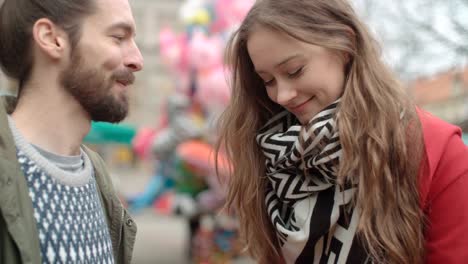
[331,162]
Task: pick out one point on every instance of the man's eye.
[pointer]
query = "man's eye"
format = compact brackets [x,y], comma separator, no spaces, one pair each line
[118,38]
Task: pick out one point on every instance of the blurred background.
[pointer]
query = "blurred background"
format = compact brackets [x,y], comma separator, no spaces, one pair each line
[160,156]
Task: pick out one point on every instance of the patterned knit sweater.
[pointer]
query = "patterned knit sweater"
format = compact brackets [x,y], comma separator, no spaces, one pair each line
[67,207]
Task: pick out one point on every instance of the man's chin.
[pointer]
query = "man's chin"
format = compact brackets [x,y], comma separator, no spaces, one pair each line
[109,119]
[120,96]
[114,114]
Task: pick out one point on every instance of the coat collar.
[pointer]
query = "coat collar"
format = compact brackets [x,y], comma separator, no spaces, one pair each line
[7,144]
[15,203]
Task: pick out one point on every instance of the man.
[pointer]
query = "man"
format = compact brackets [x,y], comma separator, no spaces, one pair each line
[74,63]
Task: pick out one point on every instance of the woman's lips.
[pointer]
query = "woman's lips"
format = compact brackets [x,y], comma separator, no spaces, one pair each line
[301,107]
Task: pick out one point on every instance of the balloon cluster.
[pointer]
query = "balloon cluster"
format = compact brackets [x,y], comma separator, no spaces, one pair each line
[195,56]
[185,181]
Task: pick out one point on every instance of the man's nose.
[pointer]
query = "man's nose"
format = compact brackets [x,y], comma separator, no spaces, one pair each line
[134,59]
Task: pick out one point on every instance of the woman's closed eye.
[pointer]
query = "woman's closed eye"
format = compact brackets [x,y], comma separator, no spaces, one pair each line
[268,83]
[296,73]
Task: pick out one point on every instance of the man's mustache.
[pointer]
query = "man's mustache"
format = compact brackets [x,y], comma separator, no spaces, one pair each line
[124,76]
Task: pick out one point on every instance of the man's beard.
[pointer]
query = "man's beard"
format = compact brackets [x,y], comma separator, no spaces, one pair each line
[90,87]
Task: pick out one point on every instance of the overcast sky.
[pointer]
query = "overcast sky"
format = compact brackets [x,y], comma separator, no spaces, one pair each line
[427,56]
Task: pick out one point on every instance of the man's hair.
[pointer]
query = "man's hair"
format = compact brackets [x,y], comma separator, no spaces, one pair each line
[17,18]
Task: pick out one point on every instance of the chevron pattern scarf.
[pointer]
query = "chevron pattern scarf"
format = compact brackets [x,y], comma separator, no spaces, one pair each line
[312,214]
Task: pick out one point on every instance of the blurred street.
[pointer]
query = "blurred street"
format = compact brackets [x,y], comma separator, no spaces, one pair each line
[161,239]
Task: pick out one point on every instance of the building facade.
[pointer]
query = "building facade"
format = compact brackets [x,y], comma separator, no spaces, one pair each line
[445,95]
[154,83]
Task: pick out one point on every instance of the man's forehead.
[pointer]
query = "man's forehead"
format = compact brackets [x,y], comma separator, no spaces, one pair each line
[115,14]
[119,8]
[127,26]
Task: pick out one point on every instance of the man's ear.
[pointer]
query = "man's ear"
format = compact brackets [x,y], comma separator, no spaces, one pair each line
[49,38]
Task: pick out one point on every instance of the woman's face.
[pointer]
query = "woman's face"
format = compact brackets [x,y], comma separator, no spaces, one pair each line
[301,77]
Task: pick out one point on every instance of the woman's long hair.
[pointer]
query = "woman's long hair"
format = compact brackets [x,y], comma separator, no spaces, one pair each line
[379,131]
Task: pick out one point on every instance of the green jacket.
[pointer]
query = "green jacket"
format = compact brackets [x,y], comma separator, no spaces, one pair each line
[19,239]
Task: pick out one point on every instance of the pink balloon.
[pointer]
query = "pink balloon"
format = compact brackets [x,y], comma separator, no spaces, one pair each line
[142,142]
[205,52]
[212,88]
[229,13]
[173,50]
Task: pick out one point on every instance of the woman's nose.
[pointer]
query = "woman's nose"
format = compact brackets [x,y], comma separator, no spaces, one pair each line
[285,93]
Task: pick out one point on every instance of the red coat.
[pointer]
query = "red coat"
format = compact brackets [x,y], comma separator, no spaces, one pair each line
[444,192]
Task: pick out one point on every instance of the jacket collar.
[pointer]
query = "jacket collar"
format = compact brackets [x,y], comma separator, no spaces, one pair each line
[7,144]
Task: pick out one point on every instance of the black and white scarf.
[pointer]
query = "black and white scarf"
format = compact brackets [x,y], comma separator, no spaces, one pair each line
[312,214]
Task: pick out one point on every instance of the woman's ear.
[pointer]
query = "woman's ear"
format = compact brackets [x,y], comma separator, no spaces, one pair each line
[346,57]
[49,38]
